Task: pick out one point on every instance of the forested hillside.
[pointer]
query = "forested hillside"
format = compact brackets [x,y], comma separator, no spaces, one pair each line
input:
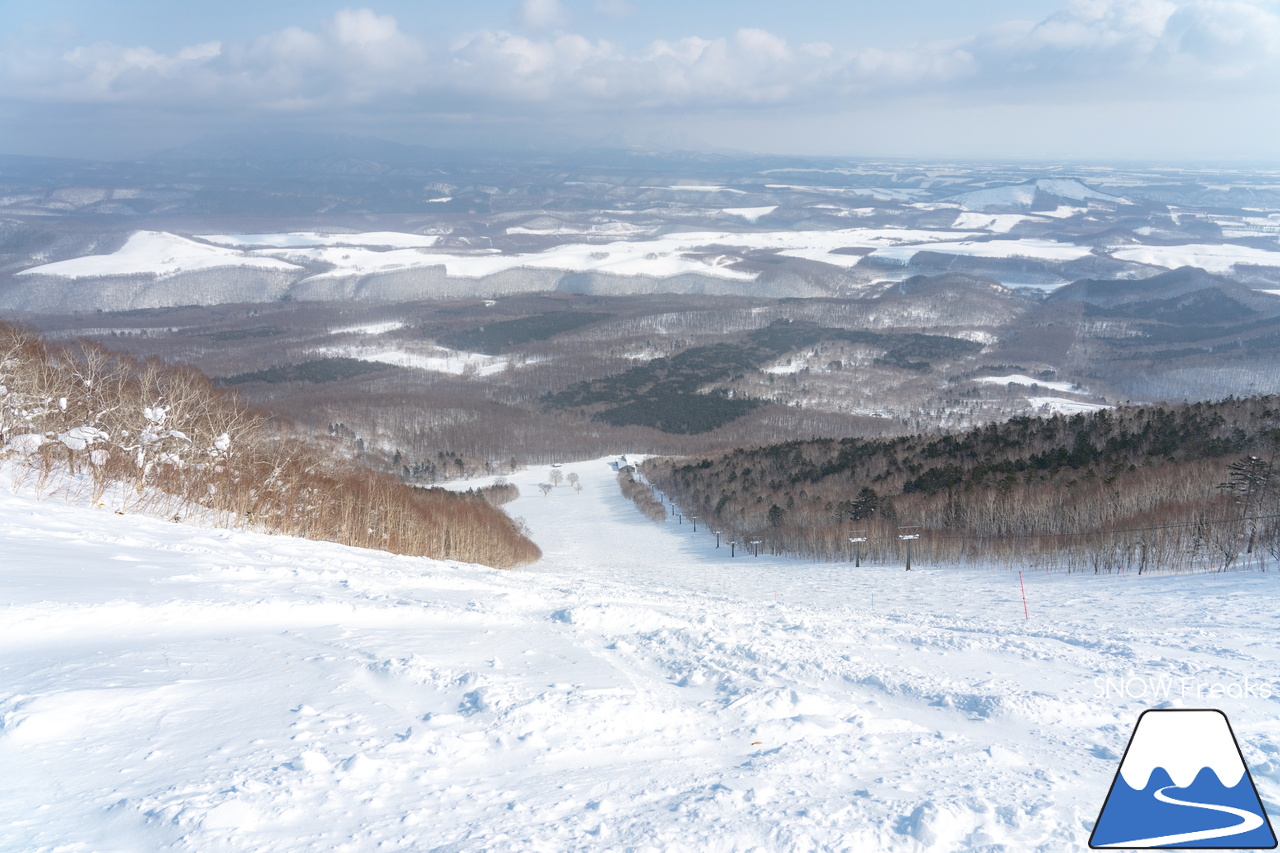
[664,393]
[1137,487]
[151,438]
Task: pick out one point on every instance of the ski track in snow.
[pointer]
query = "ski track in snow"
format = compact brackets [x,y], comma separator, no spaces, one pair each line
[165,687]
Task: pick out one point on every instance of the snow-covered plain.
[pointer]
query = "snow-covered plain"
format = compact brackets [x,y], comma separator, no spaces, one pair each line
[164,687]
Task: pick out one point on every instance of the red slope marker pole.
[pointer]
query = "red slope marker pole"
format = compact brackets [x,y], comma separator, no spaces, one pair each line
[1025,612]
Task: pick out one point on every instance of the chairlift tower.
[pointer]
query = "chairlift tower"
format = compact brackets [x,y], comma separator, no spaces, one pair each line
[909,534]
[857,541]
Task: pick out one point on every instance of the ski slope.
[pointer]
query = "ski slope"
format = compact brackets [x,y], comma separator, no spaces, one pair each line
[165,687]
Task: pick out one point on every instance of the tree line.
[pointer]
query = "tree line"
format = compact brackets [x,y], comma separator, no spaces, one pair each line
[1138,488]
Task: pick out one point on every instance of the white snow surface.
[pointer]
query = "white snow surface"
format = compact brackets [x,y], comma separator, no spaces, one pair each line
[751,214]
[370,328]
[166,687]
[436,359]
[1022,195]
[996,223]
[709,253]
[301,239]
[1047,250]
[157,253]
[1212,257]
[1023,379]
[702,252]
[1064,405]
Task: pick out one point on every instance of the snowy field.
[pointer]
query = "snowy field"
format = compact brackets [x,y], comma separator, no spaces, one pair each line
[164,687]
[629,252]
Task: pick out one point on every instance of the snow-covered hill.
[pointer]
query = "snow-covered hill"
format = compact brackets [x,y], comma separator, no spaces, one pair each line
[1021,196]
[168,687]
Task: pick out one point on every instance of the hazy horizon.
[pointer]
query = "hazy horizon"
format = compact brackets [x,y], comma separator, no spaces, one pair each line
[1088,80]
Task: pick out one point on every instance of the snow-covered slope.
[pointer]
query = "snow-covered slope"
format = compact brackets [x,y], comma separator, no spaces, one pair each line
[172,688]
[1022,195]
[301,239]
[157,253]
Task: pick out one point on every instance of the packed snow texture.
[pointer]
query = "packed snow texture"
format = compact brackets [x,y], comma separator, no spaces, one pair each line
[174,688]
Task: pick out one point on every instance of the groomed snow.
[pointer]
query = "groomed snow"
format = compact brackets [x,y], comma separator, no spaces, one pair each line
[181,689]
[157,253]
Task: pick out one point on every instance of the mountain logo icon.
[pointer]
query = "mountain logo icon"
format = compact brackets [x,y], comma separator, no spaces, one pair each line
[1183,783]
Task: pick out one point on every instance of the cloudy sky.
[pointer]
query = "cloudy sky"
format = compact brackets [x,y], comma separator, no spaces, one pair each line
[1164,80]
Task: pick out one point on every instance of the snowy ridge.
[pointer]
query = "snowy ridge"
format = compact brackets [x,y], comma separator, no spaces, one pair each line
[1022,195]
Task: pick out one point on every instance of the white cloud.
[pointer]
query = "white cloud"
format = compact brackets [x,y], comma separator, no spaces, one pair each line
[362,57]
[1230,38]
[542,14]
